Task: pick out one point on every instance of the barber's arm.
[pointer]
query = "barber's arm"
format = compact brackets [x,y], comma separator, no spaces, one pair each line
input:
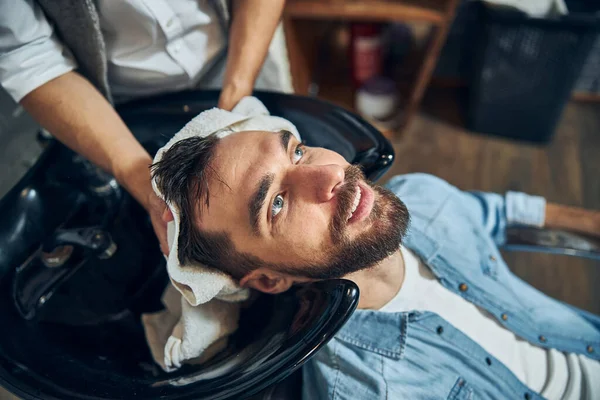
[79,116]
[38,72]
[252,28]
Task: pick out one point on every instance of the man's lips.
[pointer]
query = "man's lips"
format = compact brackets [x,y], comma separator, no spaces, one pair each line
[365,197]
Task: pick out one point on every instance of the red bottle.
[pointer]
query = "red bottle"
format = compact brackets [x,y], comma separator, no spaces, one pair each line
[366,52]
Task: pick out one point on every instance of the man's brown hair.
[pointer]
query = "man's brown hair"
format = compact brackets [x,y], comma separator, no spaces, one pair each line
[182,176]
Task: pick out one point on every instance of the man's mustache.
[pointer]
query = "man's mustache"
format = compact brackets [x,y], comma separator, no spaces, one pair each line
[346,195]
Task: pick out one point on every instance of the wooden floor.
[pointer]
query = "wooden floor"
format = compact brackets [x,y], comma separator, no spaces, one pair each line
[567,171]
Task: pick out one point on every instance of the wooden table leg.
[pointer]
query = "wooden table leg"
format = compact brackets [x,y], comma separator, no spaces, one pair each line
[434,47]
[300,53]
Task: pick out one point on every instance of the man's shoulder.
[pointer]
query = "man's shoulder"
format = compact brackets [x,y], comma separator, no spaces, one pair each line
[417,182]
[423,194]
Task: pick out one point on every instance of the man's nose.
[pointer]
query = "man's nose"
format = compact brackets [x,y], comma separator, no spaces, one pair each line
[319,181]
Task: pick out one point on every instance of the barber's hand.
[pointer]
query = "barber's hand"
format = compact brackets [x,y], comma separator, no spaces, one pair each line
[232,93]
[160,216]
[133,173]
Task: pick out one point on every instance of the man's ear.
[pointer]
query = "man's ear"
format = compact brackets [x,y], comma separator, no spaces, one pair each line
[267,281]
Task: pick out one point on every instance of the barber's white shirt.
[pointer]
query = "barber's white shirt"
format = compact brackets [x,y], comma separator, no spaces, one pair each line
[152,46]
[553,374]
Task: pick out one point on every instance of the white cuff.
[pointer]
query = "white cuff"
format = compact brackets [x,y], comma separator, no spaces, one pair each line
[32,65]
[524,209]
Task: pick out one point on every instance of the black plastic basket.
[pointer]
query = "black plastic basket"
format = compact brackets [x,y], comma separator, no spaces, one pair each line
[454,62]
[524,71]
[589,79]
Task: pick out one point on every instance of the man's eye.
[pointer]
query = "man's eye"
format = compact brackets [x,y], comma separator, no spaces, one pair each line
[277,205]
[298,153]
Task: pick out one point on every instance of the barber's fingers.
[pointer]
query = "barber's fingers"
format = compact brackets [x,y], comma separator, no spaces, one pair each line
[160,229]
[167,215]
[232,92]
[159,223]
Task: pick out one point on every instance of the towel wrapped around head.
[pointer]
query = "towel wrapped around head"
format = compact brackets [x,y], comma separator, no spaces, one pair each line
[202,304]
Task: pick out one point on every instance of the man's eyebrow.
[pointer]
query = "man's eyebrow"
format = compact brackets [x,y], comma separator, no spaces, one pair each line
[285,137]
[257,200]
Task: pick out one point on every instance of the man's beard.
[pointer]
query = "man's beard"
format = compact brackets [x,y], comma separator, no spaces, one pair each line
[388,221]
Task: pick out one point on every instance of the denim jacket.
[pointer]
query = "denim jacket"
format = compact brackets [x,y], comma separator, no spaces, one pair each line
[418,355]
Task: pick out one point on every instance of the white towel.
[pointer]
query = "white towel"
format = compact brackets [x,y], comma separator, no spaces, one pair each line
[202,304]
[535,8]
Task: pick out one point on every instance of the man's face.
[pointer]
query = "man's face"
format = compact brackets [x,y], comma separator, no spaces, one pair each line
[303,209]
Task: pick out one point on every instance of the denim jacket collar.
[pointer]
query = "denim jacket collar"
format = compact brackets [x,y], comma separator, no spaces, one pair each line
[423,246]
[365,326]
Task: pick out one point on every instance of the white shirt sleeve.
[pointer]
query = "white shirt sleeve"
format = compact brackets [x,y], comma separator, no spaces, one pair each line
[30,53]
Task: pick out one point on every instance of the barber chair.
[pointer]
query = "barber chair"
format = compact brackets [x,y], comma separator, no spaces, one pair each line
[79,263]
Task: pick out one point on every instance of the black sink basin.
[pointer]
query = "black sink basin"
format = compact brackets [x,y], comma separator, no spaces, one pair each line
[79,263]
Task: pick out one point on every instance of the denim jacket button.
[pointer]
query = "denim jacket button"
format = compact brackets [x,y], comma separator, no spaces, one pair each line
[542,338]
[492,258]
[590,349]
[463,287]
[504,317]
